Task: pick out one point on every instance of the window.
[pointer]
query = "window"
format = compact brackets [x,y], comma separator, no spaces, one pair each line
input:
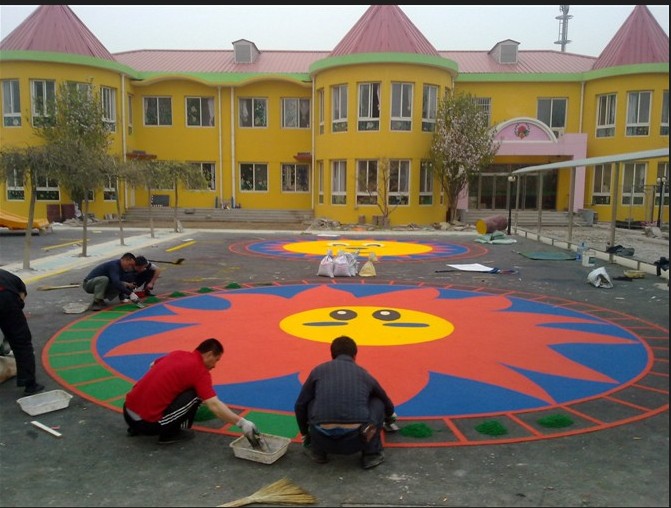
[663,172]
[200,111]
[401,106]
[295,178]
[366,182]
[605,119]
[253,177]
[108,97]
[320,98]
[129,114]
[485,105]
[83,88]
[339,183]
[47,189]
[429,108]
[552,112]
[43,96]
[109,191]
[11,103]
[207,169]
[320,183]
[157,111]
[633,183]
[15,189]
[339,94]
[425,183]
[601,186]
[369,106]
[296,113]
[664,127]
[399,181]
[253,112]
[638,113]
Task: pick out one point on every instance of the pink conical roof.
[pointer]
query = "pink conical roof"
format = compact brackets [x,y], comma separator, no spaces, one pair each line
[639,40]
[384,29]
[55,28]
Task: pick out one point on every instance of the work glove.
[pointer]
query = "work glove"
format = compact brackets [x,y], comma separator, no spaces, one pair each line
[149,286]
[390,423]
[134,298]
[248,428]
[307,440]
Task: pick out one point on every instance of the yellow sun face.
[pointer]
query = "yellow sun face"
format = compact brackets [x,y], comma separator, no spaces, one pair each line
[372,326]
[365,247]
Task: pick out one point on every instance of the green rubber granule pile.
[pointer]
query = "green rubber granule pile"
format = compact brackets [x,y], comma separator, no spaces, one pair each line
[416,430]
[491,428]
[555,421]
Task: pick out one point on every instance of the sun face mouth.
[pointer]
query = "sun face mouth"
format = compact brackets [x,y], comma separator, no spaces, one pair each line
[372,326]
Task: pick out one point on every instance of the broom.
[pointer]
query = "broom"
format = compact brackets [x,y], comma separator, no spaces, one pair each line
[281,492]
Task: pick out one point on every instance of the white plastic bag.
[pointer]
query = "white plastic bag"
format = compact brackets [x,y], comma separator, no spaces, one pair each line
[326,265]
[599,278]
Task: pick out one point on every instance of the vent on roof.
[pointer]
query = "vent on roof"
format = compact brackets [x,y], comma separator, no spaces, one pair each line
[245,51]
[505,52]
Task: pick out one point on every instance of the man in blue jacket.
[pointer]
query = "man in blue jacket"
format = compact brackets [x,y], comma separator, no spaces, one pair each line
[105,281]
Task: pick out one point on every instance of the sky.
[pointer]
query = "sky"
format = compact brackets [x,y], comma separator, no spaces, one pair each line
[321,27]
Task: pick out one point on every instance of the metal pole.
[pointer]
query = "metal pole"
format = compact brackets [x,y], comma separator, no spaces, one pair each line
[661,181]
[511,179]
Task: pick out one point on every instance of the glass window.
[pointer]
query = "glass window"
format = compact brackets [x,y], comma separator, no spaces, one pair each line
[429,108]
[253,177]
[605,119]
[425,183]
[369,107]
[43,97]
[129,114]
[552,112]
[366,182]
[664,124]
[108,97]
[295,178]
[320,181]
[15,190]
[47,189]
[207,169]
[109,191]
[339,183]
[638,113]
[633,183]
[399,182]
[601,185]
[200,111]
[339,122]
[401,106]
[296,113]
[11,103]
[485,105]
[157,111]
[662,172]
[320,96]
[253,112]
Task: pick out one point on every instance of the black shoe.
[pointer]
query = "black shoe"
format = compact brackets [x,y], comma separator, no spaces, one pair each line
[182,435]
[317,457]
[372,460]
[131,432]
[97,305]
[33,388]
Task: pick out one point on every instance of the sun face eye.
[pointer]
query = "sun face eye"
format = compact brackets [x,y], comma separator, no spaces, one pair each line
[386,315]
[343,314]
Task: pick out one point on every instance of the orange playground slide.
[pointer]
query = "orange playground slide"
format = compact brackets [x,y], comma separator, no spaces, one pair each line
[12,221]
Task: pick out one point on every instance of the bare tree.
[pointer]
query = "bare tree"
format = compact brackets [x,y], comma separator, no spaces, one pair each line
[376,182]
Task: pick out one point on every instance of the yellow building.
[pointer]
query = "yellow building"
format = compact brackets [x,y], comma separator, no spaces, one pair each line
[302,130]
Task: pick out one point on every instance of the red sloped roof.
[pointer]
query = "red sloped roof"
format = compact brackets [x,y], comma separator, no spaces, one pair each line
[639,40]
[384,29]
[57,29]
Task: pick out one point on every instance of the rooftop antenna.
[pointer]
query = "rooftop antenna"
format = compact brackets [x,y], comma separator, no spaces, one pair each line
[563,27]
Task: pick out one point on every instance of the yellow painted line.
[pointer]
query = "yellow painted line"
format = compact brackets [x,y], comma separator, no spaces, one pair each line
[76,242]
[44,276]
[186,244]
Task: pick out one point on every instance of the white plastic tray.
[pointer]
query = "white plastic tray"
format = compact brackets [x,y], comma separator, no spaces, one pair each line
[45,402]
[277,446]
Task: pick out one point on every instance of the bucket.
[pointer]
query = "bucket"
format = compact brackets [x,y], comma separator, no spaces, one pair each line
[588,258]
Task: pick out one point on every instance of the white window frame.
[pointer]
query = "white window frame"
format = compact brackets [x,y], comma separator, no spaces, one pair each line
[366,182]
[339,182]
[662,172]
[320,98]
[108,98]
[47,189]
[11,103]
[295,113]
[42,98]
[159,103]
[633,183]
[401,106]
[369,107]
[664,121]
[484,104]
[639,105]
[129,114]
[398,184]
[320,182]
[295,177]
[253,112]
[110,189]
[429,107]
[425,183]
[15,188]
[552,112]
[208,170]
[199,111]
[601,186]
[605,115]
[339,109]
[253,177]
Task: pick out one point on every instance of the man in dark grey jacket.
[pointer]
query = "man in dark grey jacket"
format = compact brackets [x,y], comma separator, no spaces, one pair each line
[105,281]
[341,408]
